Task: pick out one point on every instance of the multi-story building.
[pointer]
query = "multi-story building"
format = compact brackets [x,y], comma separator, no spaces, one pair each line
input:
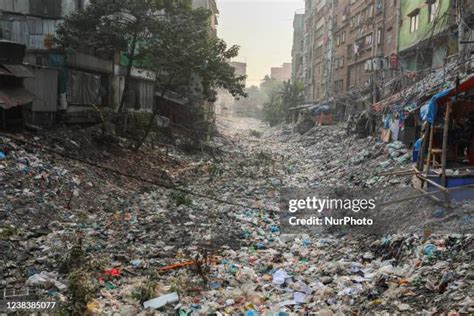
[308,44]
[341,16]
[33,23]
[431,30]
[358,49]
[297,48]
[323,50]
[371,46]
[282,73]
[240,68]
[360,43]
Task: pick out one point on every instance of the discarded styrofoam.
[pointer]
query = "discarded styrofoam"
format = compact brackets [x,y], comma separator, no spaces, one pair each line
[162,300]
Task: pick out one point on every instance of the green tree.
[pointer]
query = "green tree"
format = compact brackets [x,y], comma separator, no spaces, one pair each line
[273,110]
[106,27]
[270,86]
[252,104]
[282,97]
[291,95]
[188,59]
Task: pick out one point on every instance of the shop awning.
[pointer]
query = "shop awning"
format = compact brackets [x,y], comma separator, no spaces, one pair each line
[11,97]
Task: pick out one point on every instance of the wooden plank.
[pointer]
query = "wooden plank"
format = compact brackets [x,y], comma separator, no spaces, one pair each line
[430,196]
[432,182]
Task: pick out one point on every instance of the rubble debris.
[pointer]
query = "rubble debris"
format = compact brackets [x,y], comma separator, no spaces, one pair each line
[139,241]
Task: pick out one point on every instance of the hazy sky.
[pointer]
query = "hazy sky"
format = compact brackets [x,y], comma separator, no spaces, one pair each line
[262,28]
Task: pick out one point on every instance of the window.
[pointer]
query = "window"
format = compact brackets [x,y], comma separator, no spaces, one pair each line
[368,40]
[414,20]
[343,37]
[79,5]
[432,10]
[379,36]
[370,11]
[378,6]
[389,36]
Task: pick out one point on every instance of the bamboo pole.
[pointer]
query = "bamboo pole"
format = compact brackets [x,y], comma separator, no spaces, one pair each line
[442,188]
[397,173]
[445,143]
[421,153]
[434,198]
[445,150]
[430,147]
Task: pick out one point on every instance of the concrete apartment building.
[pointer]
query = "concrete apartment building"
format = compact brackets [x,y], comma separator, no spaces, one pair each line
[73,82]
[372,44]
[345,42]
[308,43]
[341,31]
[319,49]
[430,31]
[357,52]
[297,48]
[323,50]
[282,73]
[360,44]
[240,68]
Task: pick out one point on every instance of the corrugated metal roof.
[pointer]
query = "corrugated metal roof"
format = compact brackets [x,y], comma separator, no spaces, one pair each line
[11,97]
[19,71]
[29,31]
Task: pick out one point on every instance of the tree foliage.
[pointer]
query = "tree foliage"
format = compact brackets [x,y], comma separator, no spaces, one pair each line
[281,99]
[105,27]
[189,60]
[184,54]
[108,26]
[252,104]
[174,40]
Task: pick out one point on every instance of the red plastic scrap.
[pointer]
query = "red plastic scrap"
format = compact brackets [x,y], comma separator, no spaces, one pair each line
[112,272]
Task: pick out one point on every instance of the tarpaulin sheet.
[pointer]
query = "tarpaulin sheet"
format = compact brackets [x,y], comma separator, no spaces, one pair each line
[11,97]
[83,88]
[57,61]
[429,110]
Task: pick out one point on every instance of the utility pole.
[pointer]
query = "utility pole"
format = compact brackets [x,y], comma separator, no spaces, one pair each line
[461,34]
[374,53]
